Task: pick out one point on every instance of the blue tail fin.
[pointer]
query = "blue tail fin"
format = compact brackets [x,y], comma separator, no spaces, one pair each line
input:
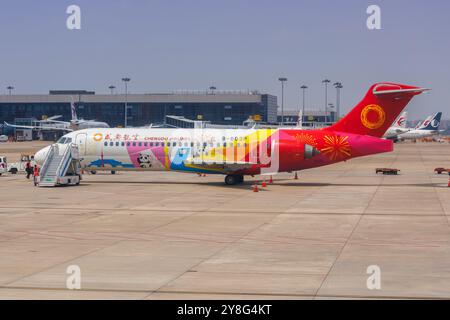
[433,123]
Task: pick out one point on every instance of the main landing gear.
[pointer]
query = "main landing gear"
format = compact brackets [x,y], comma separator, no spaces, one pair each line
[233,179]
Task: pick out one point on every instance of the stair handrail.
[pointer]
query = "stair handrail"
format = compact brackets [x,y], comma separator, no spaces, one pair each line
[47,160]
[63,163]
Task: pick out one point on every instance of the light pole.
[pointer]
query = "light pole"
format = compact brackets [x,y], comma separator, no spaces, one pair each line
[126,80]
[111,87]
[326,82]
[282,80]
[212,88]
[10,89]
[338,87]
[303,87]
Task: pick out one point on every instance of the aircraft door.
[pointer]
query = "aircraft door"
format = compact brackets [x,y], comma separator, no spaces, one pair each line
[80,140]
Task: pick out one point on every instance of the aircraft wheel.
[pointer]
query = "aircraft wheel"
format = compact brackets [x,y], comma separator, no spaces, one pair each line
[232,179]
[93,172]
[113,172]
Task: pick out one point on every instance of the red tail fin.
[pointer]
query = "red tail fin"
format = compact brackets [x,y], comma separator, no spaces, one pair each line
[378,110]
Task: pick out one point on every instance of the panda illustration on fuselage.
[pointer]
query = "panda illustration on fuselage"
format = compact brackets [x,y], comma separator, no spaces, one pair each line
[144,160]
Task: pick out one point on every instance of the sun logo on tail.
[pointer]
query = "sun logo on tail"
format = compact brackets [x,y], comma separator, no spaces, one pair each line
[336,147]
[373,116]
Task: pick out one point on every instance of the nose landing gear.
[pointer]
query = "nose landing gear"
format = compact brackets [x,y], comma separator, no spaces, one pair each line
[233,179]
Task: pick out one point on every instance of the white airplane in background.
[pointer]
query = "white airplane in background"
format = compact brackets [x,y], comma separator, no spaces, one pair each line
[68,126]
[428,128]
[398,127]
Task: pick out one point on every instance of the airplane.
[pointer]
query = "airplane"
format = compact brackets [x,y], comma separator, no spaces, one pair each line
[419,124]
[428,128]
[398,127]
[239,152]
[53,124]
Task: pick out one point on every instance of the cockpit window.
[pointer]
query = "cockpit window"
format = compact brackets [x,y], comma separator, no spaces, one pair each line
[64,140]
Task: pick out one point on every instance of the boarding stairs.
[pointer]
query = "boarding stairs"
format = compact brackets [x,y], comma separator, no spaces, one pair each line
[61,166]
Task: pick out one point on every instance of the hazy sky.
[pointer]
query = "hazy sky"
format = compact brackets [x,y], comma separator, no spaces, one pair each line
[168,45]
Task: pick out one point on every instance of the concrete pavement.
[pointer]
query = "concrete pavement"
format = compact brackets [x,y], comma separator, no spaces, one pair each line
[180,236]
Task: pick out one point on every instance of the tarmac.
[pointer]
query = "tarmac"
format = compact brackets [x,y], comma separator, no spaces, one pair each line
[180,236]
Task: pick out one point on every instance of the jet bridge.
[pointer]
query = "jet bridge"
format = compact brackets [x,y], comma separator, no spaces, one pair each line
[61,166]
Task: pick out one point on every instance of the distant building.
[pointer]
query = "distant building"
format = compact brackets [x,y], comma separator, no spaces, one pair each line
[219,107]
[310,118]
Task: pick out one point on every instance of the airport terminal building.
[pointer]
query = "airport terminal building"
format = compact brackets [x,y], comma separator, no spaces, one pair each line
[226,108]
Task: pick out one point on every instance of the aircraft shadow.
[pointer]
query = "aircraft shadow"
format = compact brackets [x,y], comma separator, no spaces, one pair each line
[249,184]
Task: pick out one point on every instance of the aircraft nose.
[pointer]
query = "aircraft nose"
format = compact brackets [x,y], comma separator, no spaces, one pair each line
[39,157]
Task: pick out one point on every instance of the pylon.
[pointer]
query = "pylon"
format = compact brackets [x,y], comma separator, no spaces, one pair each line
[270,180]
[296,176]
[255,188]
[264,184]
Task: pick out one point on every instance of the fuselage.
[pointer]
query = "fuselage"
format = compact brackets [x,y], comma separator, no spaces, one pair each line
[418,134]
[87,124]
[393,132]
[219,151]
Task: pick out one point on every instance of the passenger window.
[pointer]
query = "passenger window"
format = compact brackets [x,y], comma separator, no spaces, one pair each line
[106,143]
[157,144]
[117,143]
[145,144]
[140,144]
[168,144]
[134,144]
[123,144]
[111,144]
[151,144]
[128,144]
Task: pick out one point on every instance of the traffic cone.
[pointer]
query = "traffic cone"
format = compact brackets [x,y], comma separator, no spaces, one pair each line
[255,188]
[296,176]
[264,184]
[270,180]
